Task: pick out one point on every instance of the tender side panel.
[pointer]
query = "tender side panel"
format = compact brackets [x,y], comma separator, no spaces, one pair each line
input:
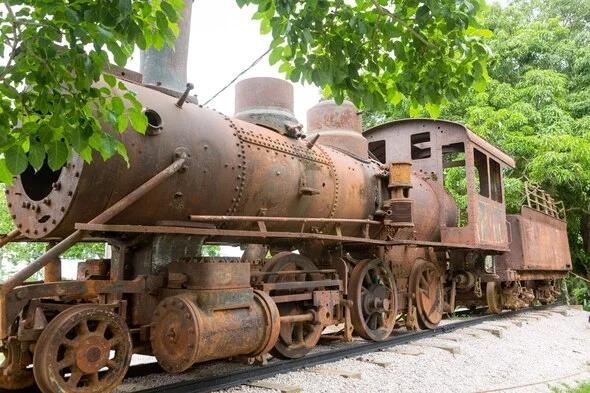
[539,242]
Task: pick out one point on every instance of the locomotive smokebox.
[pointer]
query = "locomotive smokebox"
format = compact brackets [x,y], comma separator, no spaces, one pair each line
[267,102]
[338,126]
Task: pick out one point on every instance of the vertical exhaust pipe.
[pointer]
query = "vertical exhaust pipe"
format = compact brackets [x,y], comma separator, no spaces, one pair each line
[166,68]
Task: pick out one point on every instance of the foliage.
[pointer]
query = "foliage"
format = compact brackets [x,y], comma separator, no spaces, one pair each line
[577,291]
[378,51]
[56,52]
[583,388]
[536,105]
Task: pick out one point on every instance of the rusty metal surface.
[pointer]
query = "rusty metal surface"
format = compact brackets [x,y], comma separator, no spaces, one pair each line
[112,211]
[79,343]
[239,168]
[427,290]
[212,273]
[373,292]
[267,102]
[425,142]
[182,334]
[285,275]
[539,242]
[375,238]
[15,373]
[339,126]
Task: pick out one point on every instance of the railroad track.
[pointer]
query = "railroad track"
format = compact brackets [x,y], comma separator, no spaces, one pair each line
[254,373]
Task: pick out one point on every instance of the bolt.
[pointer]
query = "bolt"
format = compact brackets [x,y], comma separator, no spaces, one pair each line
[178,194]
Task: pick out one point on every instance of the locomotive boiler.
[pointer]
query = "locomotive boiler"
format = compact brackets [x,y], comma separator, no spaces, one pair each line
[340,227]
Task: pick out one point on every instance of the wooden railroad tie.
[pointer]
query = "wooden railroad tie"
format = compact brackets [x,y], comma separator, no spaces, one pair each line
[337,372]
[409,350]
[445,346]
[380,363]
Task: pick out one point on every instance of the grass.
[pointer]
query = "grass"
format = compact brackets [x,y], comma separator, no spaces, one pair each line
[583,388]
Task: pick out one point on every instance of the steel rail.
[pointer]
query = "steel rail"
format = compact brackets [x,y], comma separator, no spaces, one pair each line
[212,383]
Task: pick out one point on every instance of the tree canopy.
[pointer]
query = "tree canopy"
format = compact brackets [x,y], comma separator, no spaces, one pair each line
[55,52]
[536,105]
[373,51]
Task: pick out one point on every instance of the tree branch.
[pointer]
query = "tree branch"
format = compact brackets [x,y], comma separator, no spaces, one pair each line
[15,41]
[393,16]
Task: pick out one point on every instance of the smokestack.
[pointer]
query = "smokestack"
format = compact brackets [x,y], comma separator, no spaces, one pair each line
[166,68]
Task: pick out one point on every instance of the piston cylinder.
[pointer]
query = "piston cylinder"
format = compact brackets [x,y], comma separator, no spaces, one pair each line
[183,333]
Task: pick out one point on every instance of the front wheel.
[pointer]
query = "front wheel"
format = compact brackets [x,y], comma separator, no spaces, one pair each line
[86,349]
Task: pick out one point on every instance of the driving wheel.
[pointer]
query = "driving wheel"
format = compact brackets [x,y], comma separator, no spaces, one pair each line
[426,286]
[296,339]
[86,348]
[373,292]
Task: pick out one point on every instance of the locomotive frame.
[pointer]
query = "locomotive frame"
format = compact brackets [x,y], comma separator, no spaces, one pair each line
[157,294]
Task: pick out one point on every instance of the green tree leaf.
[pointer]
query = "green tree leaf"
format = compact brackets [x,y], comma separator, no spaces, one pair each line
[16,160]
[138,120]
[36,155]
[57,154]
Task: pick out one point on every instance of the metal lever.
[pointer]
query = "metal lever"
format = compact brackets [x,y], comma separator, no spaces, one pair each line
[182,99]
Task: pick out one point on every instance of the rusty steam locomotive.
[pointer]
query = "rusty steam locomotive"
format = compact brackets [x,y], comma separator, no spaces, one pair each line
[380,239]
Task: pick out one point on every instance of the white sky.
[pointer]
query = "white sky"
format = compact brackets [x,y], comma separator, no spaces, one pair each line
[224,41]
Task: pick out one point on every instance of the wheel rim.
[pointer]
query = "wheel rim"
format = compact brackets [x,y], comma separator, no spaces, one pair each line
[428,291]
[494,297]
[84,349]
[14,373]
[374,294]
[296,339]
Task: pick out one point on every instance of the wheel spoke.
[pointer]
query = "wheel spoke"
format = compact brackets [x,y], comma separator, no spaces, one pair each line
[83,328]
[67,361]
[93,378]
[74,378]
[300,333]
[112,364]
[101,328]
[423,281]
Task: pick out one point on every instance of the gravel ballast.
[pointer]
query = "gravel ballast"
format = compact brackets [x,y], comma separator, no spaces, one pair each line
[537,352]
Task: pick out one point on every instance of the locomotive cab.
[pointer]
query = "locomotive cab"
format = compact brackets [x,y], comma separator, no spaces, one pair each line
[466,166]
